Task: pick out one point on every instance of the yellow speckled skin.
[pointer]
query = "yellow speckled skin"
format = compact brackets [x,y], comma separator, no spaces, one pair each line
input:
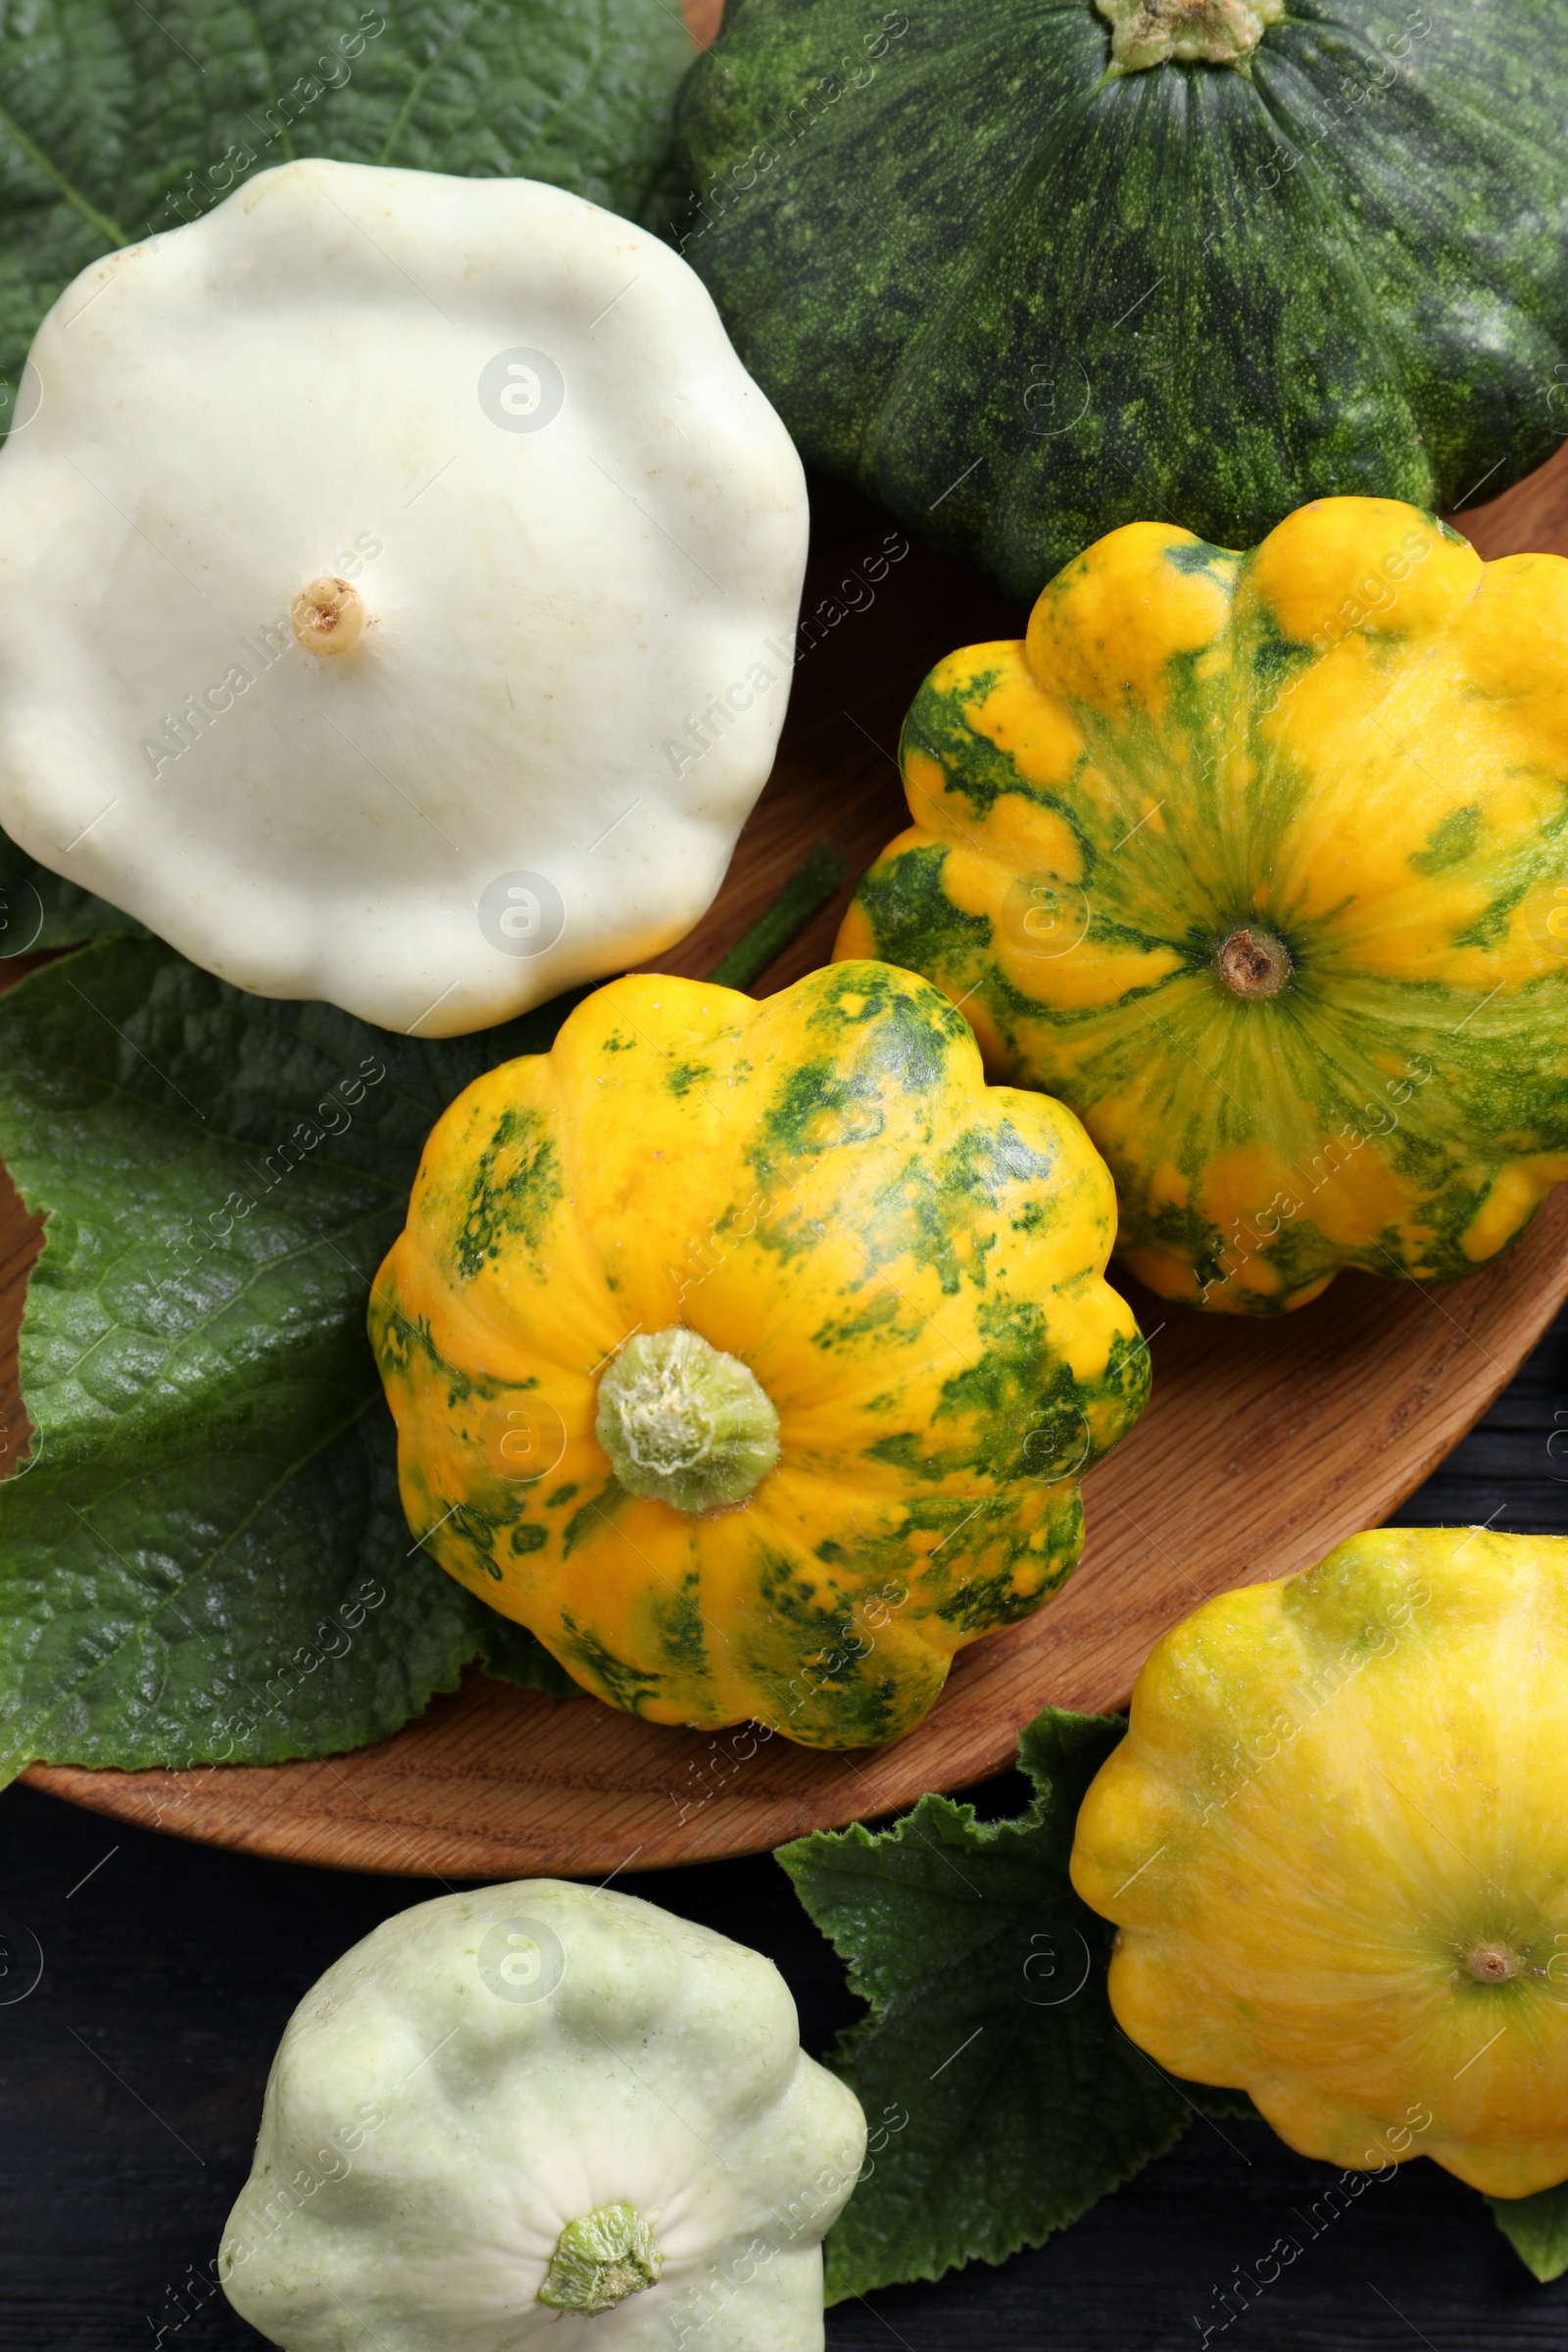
[909,1261]
[1354,739]
[1335,1793]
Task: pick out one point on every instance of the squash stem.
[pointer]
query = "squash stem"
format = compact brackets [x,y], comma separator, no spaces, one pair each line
[328,615]
[600,2260]
[685,1424]
[1254,963]
[806,891]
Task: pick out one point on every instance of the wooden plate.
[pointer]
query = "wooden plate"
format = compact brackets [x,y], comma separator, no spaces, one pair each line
[1265,1444]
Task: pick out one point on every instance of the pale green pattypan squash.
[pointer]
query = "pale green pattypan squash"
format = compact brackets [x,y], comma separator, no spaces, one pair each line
[543,2112]
[398,584]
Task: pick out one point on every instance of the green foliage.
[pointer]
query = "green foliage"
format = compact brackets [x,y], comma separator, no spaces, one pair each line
[1001,2096]
[117,123]
[202,1556]
[1536,2228]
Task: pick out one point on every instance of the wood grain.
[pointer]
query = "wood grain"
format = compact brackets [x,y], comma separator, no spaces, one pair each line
[1265,1444]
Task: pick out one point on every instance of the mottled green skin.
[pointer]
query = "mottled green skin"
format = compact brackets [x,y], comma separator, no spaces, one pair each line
[1021,301]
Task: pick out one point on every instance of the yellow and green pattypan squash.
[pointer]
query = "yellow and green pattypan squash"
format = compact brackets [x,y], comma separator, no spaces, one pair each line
[1260,862]
[749,1354]
[1334,1841]
[506,2108]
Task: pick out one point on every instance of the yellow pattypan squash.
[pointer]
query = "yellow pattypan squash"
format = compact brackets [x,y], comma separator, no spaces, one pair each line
[1334,1841]
[749,1354]
[1260,862]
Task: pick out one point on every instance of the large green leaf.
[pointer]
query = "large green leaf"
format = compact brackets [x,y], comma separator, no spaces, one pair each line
[1536,2228]
[1002,2097]
[203,1556]
[117,122]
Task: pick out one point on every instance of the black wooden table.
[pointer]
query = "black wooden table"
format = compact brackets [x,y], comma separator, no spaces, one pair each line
[131,2085]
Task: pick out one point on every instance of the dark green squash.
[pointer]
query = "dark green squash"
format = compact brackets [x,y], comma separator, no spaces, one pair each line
[1021,292]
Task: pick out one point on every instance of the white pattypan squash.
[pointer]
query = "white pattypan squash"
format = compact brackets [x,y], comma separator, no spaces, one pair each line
[543,2113]
[398,583]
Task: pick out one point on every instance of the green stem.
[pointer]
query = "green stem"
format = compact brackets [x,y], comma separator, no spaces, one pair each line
[803,895]
[600,2260]
[685,1424]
